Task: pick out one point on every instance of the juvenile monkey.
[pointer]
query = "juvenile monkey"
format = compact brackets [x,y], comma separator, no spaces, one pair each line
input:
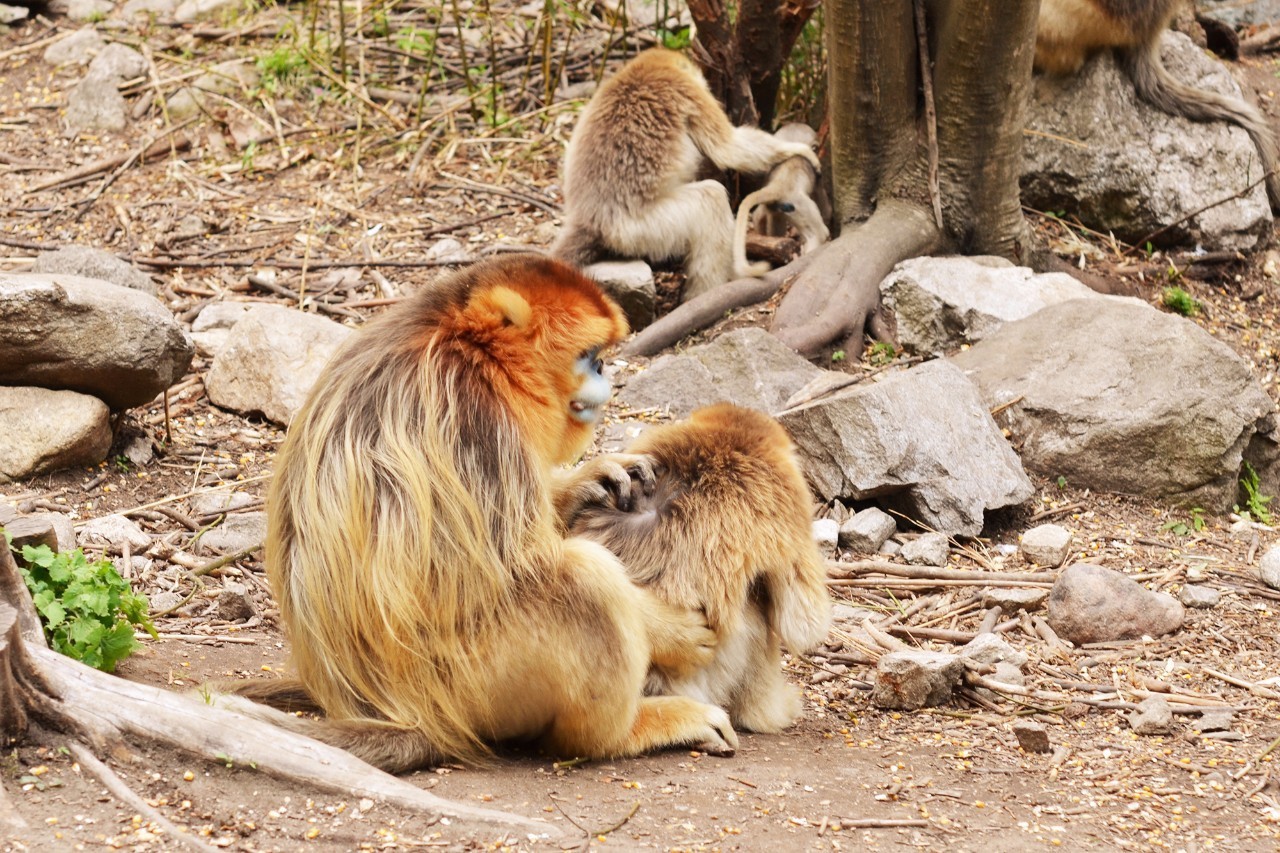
[630,172]
[788,194]
[433,601]
[725,525]
[1069,31]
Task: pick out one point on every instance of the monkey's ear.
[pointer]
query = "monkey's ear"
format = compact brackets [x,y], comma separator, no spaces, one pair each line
[511,308]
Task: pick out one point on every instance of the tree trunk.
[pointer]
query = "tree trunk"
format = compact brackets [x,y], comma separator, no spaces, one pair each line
[884,154]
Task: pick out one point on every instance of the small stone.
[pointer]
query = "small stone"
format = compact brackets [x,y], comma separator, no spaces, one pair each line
[867,531]
[991,649]
[890,548]
[1202,597]
[33,530]
[238,532]
[1270,567]
[1032,737]
[1009,673]
[117,63]
[1153,717]
[114,531]
[631,285]
[929,549]
[1092,604]
[7,513]
[913,679]
[162,601]
[89,262]
[1046,545]
[826,533]
[138,451]
[1214,720]
[80,47]
[847,614]
[208,503]
[1012,599]
[234,604]
[10,14]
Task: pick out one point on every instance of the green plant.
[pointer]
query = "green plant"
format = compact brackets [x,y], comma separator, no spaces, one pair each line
[1255,502]
[88,610]
[677,39]
[1062,482]
[1185,528]
[281,68]
[1179,301]
[838,355]
[881,353]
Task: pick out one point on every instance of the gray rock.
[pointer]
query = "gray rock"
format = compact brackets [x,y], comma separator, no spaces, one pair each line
[193,10]
[88,262]
[96,105]
[225,78]
[64,529]
[989,648]
[1032,736]
[33,530]
[867,530]
[1153,717]
[113,531]
[12,14]
[212,326]
[890,548]
[826,533]
[1214,720]
[1240,13]
[7,512]
[149,8]
[1008,672]
[1121,165]
[927,549]
[846,614]
[909,680]
[749,367]
[237,532]
[80,334]
[1126,399]
[115,64]
[1201,597]
[941,303]
[921,441]
[161,601]
[1090,604]
[42,430]
[234,604]
[207,503]
[1046,545]
[271,359]
[80,47]
[631,285]
[1269,567]
[1012,599]
[83,10]
[138,451]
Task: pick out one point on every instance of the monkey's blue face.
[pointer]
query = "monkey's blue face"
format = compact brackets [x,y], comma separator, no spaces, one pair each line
[593,389]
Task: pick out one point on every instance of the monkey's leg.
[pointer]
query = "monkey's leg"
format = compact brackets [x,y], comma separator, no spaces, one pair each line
[762,700]
[808,222]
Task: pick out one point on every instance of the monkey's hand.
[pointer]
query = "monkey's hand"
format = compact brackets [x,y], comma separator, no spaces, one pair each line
[799,149]
[616,480]
[680,640]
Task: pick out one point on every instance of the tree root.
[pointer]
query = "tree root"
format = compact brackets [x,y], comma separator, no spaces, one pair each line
[69,697]
[702,311]
[838,296]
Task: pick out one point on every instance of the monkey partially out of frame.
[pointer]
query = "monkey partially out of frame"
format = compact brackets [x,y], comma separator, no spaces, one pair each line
[1069,31]
[630,174]
[724,525]
[787,195]
[433,601]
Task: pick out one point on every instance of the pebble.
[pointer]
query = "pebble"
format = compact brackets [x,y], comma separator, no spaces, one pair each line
[1202,597]
[1270,567]
[1153,717]
[867,531]
[826,533]
[1046,545]
[914,679]
[1032,737]
[1012,599]
[929,549]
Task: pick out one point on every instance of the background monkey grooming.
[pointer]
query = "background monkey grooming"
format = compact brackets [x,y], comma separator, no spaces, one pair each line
[727,526]
[1069,31]
[433,602]
[788,193]
[630,169]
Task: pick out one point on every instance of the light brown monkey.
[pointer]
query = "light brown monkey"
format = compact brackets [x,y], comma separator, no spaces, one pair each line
[433,602]
[1069,31]
[630,171]
[787,194]
[725,526]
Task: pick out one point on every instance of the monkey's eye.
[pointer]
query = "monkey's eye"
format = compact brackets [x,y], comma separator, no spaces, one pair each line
[592,357]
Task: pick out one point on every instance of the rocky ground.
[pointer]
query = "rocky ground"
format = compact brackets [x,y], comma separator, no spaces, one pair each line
[354,199]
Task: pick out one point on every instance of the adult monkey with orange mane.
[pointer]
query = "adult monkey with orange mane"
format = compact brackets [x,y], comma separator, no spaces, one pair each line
[433,601]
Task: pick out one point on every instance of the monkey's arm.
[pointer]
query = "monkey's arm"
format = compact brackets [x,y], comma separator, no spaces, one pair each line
[614,479]
[743,149]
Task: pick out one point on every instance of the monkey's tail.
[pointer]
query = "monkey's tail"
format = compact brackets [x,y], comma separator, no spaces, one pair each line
[801,608]
[1157,87]
[387,746]
[741,267]
[577,245]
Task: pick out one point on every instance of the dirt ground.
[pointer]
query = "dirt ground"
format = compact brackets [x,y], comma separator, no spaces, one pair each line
[343,183]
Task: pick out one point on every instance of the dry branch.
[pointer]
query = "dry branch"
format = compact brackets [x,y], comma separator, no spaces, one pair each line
[837,569]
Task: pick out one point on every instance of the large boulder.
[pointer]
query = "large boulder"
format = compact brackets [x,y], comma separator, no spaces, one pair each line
[1115,395]
[920,441]
[42,430]
[270,360]
[941,303]
[1097,152]
[1092,604]
[81,334]
[749,367]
